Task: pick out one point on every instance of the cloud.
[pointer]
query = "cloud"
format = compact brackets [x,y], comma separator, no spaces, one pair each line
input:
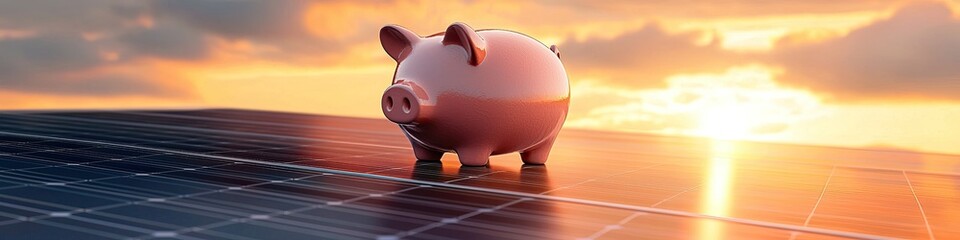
[91,48]
[738,102]
[47,45]
[642,58]
[914,53]
[67,16]
[165,41]
[720,9]
[20,57]
[277,24]
[61,63]
[260,20]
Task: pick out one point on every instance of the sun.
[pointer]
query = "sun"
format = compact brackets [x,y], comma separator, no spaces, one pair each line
[741,103]
[746,104]
[728,122]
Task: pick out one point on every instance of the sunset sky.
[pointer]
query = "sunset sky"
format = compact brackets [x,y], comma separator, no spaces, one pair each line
[880,74]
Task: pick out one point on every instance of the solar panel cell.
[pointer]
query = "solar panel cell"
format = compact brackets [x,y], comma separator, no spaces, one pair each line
[236,174]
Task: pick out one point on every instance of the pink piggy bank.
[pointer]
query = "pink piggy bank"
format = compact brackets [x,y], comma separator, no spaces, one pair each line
[476,93]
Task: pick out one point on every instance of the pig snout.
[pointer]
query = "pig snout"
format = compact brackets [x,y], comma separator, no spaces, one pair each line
[400,105]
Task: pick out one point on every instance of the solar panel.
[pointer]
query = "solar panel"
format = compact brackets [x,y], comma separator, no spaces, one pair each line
[241,174]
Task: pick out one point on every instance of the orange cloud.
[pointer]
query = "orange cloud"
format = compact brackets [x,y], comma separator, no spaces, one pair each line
[642,58]
[646,66]
[913,54]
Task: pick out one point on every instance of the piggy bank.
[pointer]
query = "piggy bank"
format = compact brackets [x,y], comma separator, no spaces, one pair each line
[476,93]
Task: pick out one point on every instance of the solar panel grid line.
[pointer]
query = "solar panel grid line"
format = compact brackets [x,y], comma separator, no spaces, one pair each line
[254,122]
[113,225]
[514,215]
[71,129]
[341,202]
[581,201]
[458,218]
[613,227]
[926,222]
[82,229]
[131,174]
[465,225]
[359,208]
[246,150]
[128,219]
[347,208]
[45,150]
[50,181]
[195,208]
[298,219]
[149,195]
[131,194]
[17,218]
[813,210]
[473,177]
[285,117]
[177,206]
[252,129]
[627,219]
[896,214]
[11,217]
[293,226]
[50,128]
[170,200]
[218,131]
[523,214]
[939,206]
[20,143]
[115,206]
[437,204]
[77,210]
[207,200]
[207,235]
[61,164]
[493,178]
[210,235]
[595,179]
[137,175]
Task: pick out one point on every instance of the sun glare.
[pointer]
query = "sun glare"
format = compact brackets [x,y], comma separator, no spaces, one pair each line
[715,200]
[744,103]
[725,123]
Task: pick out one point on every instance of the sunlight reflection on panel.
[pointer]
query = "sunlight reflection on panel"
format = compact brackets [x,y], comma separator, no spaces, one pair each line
[716,197]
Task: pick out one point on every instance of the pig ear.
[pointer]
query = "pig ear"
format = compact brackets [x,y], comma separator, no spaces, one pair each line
[464,36]
[555,50]
[397,41]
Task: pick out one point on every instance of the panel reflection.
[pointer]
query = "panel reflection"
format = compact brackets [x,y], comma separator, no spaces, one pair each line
[716,197]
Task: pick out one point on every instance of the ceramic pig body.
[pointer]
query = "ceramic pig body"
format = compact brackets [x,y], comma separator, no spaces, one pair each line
[476,93]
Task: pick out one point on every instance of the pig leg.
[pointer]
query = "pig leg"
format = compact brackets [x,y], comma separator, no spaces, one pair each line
[538,154]
[424,153]
[473,156]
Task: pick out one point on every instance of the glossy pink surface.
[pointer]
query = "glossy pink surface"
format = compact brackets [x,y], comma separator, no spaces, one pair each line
[476,93]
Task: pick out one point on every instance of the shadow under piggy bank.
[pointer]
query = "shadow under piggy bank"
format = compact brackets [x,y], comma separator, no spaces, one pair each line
[502,210]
